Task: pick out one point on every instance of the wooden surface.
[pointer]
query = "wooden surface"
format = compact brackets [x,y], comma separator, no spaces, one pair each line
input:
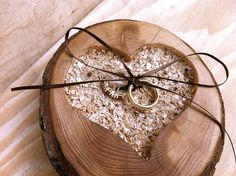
[29,34]
[93,150]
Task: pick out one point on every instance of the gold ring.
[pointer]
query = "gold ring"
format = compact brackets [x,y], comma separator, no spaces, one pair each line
[138,105]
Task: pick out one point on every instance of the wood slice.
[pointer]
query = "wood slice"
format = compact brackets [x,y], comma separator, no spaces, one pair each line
[190,145]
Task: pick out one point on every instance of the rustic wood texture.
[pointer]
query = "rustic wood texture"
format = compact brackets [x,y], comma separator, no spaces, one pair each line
[206,25]
[28,29]
[93,150]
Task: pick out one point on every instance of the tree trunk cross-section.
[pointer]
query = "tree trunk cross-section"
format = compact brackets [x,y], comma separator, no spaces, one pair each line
[190,145]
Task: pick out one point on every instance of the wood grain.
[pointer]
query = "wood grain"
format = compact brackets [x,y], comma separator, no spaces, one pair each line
[28,29]
[207,25]
[93,150]
[42,22]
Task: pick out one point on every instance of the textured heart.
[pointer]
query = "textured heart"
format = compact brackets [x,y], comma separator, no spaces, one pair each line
[137,127]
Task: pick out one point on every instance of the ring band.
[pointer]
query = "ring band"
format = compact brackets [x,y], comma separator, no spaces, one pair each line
[136,104]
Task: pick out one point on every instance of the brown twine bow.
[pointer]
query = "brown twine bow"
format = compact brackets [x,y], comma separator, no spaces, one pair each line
[137,80]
